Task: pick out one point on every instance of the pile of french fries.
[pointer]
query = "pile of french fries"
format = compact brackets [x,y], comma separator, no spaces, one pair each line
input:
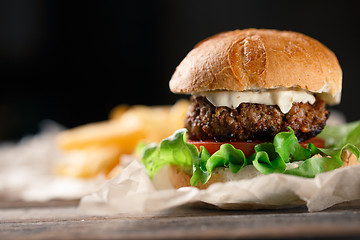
[96,148]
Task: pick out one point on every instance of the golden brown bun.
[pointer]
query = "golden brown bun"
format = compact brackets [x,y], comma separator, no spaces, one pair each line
[349,159]
[255,59]
[180,178]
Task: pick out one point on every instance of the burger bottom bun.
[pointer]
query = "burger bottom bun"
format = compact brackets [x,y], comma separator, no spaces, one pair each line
[349,159]
[180,177]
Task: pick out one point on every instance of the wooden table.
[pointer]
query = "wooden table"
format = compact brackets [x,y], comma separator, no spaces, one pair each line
[60,220]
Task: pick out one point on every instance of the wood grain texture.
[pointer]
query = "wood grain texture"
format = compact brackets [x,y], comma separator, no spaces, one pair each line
[180,223]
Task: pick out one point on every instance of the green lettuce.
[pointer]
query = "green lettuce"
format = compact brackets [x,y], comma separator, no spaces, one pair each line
[338,136]
[172,150]
[268,157]
[200,172]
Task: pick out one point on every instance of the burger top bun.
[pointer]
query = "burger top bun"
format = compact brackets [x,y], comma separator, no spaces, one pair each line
[259,59]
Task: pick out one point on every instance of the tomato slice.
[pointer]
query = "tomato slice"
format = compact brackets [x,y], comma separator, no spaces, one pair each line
[318,142]
[248,147]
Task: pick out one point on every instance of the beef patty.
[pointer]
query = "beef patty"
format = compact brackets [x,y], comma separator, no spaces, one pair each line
[250,121]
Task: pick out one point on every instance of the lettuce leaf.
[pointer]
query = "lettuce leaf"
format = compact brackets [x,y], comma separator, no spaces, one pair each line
[172,150]
[330,159]
[200,172]
[227,156]
[287,146]
[338,136]
[266,160]
[313,166]
[268,157]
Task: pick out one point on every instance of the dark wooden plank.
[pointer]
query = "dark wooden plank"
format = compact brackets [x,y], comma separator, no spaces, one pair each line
[4,204]
[180,223]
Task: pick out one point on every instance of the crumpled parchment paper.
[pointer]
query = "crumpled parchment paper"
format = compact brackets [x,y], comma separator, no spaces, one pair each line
[132,191]
[26,170]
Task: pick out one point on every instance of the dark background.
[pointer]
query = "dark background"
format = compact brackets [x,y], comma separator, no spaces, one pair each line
[73,61]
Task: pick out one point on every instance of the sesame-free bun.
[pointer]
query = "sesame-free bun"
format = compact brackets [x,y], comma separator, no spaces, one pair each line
[259,59]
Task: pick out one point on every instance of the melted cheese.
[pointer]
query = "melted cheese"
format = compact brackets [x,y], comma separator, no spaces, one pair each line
[280,97]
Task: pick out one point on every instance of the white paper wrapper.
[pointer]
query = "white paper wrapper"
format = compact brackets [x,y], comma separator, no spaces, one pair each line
[26,170]
[132,191]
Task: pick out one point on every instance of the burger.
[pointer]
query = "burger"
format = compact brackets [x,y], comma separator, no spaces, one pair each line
[258,102]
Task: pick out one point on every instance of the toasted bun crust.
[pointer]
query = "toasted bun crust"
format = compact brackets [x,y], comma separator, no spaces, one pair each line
[180,178]
[258,59]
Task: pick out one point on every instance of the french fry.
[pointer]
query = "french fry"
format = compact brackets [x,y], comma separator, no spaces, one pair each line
[89,162]
[96,148]
[115,171]
[118,111]
[122,133]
